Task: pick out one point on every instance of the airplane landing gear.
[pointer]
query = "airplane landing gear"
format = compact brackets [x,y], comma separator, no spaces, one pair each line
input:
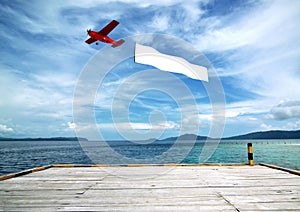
[96,43]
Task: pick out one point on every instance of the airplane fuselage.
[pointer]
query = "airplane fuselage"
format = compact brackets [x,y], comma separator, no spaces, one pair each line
[102,38]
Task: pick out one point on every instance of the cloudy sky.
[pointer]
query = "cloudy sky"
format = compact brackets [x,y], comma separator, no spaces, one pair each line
[253,46]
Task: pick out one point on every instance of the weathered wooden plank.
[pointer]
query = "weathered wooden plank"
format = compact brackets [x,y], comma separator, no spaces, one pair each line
[33,193]
[159,192]
[132,208]
[269,206]
[112,201]
[264,198]
[150,184]
[45,186]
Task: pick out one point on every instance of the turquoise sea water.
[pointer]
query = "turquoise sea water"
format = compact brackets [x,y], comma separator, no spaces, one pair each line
[16,156]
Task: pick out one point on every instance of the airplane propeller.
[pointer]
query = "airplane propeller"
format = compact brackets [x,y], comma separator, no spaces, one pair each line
[88,30]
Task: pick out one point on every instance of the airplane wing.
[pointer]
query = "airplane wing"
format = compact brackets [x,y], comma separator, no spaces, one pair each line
[109,27]
[90,40]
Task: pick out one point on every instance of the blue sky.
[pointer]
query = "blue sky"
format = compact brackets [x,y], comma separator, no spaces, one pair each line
[253,46]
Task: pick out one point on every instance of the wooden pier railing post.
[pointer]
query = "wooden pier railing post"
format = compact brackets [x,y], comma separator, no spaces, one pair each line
[250,154]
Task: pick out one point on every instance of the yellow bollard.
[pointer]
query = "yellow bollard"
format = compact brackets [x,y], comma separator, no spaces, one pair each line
[250,154]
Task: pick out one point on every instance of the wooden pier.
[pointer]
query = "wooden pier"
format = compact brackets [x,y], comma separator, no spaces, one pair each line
[151,188]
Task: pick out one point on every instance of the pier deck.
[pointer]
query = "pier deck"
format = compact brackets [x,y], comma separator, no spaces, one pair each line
[152,188]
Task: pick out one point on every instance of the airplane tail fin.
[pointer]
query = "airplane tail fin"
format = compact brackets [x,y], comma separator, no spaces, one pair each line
[118,43]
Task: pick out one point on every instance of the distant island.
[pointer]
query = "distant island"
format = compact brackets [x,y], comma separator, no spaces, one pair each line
[273,134]
[187,137]
[45,139]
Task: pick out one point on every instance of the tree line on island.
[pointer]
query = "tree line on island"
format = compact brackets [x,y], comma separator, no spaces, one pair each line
[273,134]
[45,139]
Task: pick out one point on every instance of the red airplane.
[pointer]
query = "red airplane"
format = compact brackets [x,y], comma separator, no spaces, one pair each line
[102,35]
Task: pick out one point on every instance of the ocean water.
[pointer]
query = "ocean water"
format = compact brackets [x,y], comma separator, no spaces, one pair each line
[16,156]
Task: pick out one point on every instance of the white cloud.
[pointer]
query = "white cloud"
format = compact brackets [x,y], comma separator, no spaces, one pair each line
[71,125]
[33,102]
[286,110]
[259,50]
[294,125]
[160,23]
[232,114]
[140,126]
[93,3]
[49,79]
[259,28]
[254,107]
[4,128]
[266,127]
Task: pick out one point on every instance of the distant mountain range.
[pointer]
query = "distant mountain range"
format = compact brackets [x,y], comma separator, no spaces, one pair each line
[273,134]
[186,137]
[45,139]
